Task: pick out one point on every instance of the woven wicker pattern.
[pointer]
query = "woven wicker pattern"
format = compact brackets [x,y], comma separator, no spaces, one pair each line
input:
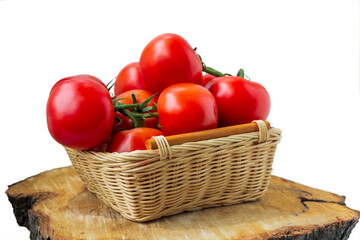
[148,184]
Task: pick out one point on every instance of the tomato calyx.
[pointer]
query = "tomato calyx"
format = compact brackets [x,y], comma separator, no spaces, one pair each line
[136,111]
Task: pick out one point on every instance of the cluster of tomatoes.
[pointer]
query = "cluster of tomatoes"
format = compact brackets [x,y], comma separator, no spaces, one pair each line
[165,93]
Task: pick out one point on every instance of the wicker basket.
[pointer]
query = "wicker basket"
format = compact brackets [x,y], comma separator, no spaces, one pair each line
[147,184]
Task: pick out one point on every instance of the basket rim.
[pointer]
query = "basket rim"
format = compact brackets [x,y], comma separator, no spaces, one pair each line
[133,155]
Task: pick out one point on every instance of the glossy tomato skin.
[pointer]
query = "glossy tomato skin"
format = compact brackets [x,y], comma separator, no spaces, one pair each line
[131,140]
[206,79]
[169,59]
[239,100]
[129,78]
[80,114]
[141,96]
[81,76]
[186,107]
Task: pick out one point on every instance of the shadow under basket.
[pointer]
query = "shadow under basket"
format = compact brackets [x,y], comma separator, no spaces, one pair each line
[147,184]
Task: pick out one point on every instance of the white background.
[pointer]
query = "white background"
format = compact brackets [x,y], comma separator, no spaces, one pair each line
[306,53]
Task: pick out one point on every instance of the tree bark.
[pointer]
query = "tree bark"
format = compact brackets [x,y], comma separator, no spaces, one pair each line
[56,205]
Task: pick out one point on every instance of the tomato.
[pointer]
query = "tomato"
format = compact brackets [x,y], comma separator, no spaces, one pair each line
[169,59]
[82,76]
[186,107]
[126,123]
[239,100]
[80,114]
[207,78]
[130,140]
[141,96]
[129,78]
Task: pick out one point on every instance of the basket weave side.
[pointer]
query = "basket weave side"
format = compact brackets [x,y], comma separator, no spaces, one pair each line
[215,172]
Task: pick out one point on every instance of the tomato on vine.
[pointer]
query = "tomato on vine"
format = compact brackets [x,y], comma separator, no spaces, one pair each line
[129,78]
[80,113]
[169,59]
[131,140]
[239,100]
[80,76]
[206,79]
[186,107]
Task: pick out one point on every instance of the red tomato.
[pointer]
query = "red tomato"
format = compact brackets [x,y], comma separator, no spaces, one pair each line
[169,59]
[141,96]
[82,76]
[207,78]
[131,140]
[186,107]
[80,114]
[129,78]
[125,123]
[239,100]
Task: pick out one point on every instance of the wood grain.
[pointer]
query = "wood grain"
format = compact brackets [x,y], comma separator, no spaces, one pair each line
[56,205]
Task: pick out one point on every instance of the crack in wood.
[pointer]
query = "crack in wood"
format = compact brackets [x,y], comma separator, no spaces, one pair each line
[304,199]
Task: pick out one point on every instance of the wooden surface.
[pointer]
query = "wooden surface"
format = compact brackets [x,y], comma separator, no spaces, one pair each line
[56,205]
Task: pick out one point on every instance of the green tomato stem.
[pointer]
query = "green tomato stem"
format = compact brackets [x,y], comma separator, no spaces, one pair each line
[145,115]
[129,115]
[210,70]
[110,84]
[139,123]
[241,73]
[126,106]
[217,73]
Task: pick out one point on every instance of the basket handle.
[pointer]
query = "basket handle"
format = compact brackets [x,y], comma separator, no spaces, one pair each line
[257,125]
[163,145]
[263,130]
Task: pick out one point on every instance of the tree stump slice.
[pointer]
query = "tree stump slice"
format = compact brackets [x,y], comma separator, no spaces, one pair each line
[56,205]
